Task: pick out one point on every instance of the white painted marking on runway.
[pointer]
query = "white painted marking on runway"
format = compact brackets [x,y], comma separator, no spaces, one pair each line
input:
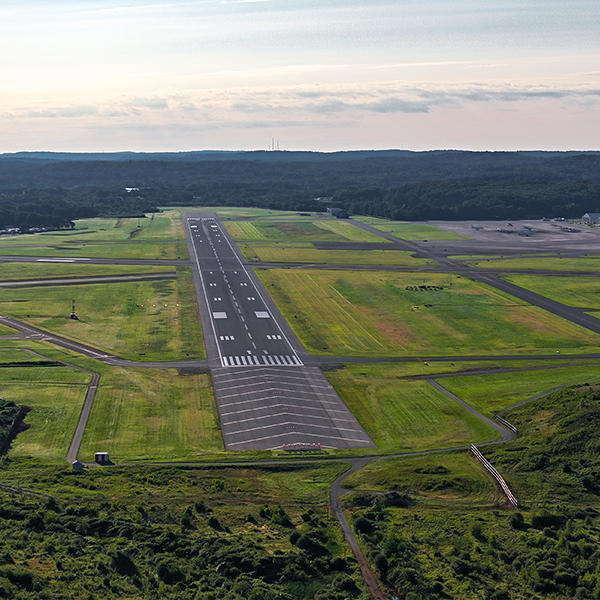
[262,314]
[219,315]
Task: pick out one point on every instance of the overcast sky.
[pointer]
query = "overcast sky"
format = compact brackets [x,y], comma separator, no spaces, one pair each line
[151,75]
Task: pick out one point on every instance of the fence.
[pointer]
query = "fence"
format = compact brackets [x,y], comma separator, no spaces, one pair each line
[486,463]
[506,424]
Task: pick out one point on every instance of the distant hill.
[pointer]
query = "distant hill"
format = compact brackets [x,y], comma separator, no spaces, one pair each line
[399,184]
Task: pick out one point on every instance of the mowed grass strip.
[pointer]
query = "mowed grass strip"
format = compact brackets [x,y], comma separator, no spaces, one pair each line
[296,254]
[165,227]
[539,264]
[490,393]
[416,231]
[234,212]
[24,271]
[324,231]
[129,319]
[55,396]
[582,292]
[10,355]
[349,231]
[138,249]
[450,477]
[348,313]
[152,414]
[409,415]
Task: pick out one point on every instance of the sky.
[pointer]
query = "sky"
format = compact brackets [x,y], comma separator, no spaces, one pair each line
[152,75]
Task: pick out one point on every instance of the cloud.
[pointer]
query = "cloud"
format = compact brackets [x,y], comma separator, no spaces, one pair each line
[269,103]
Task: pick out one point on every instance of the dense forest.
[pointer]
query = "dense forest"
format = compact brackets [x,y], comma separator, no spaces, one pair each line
[53,189]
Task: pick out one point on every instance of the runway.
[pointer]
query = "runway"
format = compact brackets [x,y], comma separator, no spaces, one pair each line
[266,395]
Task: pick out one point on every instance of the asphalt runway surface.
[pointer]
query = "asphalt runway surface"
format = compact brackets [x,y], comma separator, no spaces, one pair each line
[266,396]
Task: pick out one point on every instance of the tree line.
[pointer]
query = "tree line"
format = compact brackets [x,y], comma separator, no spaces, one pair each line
[406,186]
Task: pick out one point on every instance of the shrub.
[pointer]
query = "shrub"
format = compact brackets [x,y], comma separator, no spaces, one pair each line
[123,563]
[169,573]
[363,525]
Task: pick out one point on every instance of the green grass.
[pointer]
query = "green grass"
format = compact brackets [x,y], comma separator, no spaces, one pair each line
[455,478]
[9,355]
[4,330]
[165,227]
[490,393]
[241,489]
[582,292]
[345,313]
[272,253]
[55,395]
[348,231]
[234,212]
[555,459]
[113,319]
[541,264]
[408,415]
[137,249]
[161,237]
[152,414]
[23,271]
[323,230]
[412,231]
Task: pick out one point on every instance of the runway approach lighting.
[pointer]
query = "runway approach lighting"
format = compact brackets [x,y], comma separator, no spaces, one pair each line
[73,314]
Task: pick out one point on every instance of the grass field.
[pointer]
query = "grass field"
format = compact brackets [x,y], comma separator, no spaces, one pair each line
[455,478]
[323,230]
[22,271]
[407,415]
[490,393]
[540,264]
[412,231]
[55,395]
[161,237]
[11,355]
[152,414]
[113,319]
[165,227]
[138,249]
[582,292]
[303,254]
[373,314]
[234,212]
[7,330]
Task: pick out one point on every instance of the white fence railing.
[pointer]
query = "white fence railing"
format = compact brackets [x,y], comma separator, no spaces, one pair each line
[486,463]
[506,424]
